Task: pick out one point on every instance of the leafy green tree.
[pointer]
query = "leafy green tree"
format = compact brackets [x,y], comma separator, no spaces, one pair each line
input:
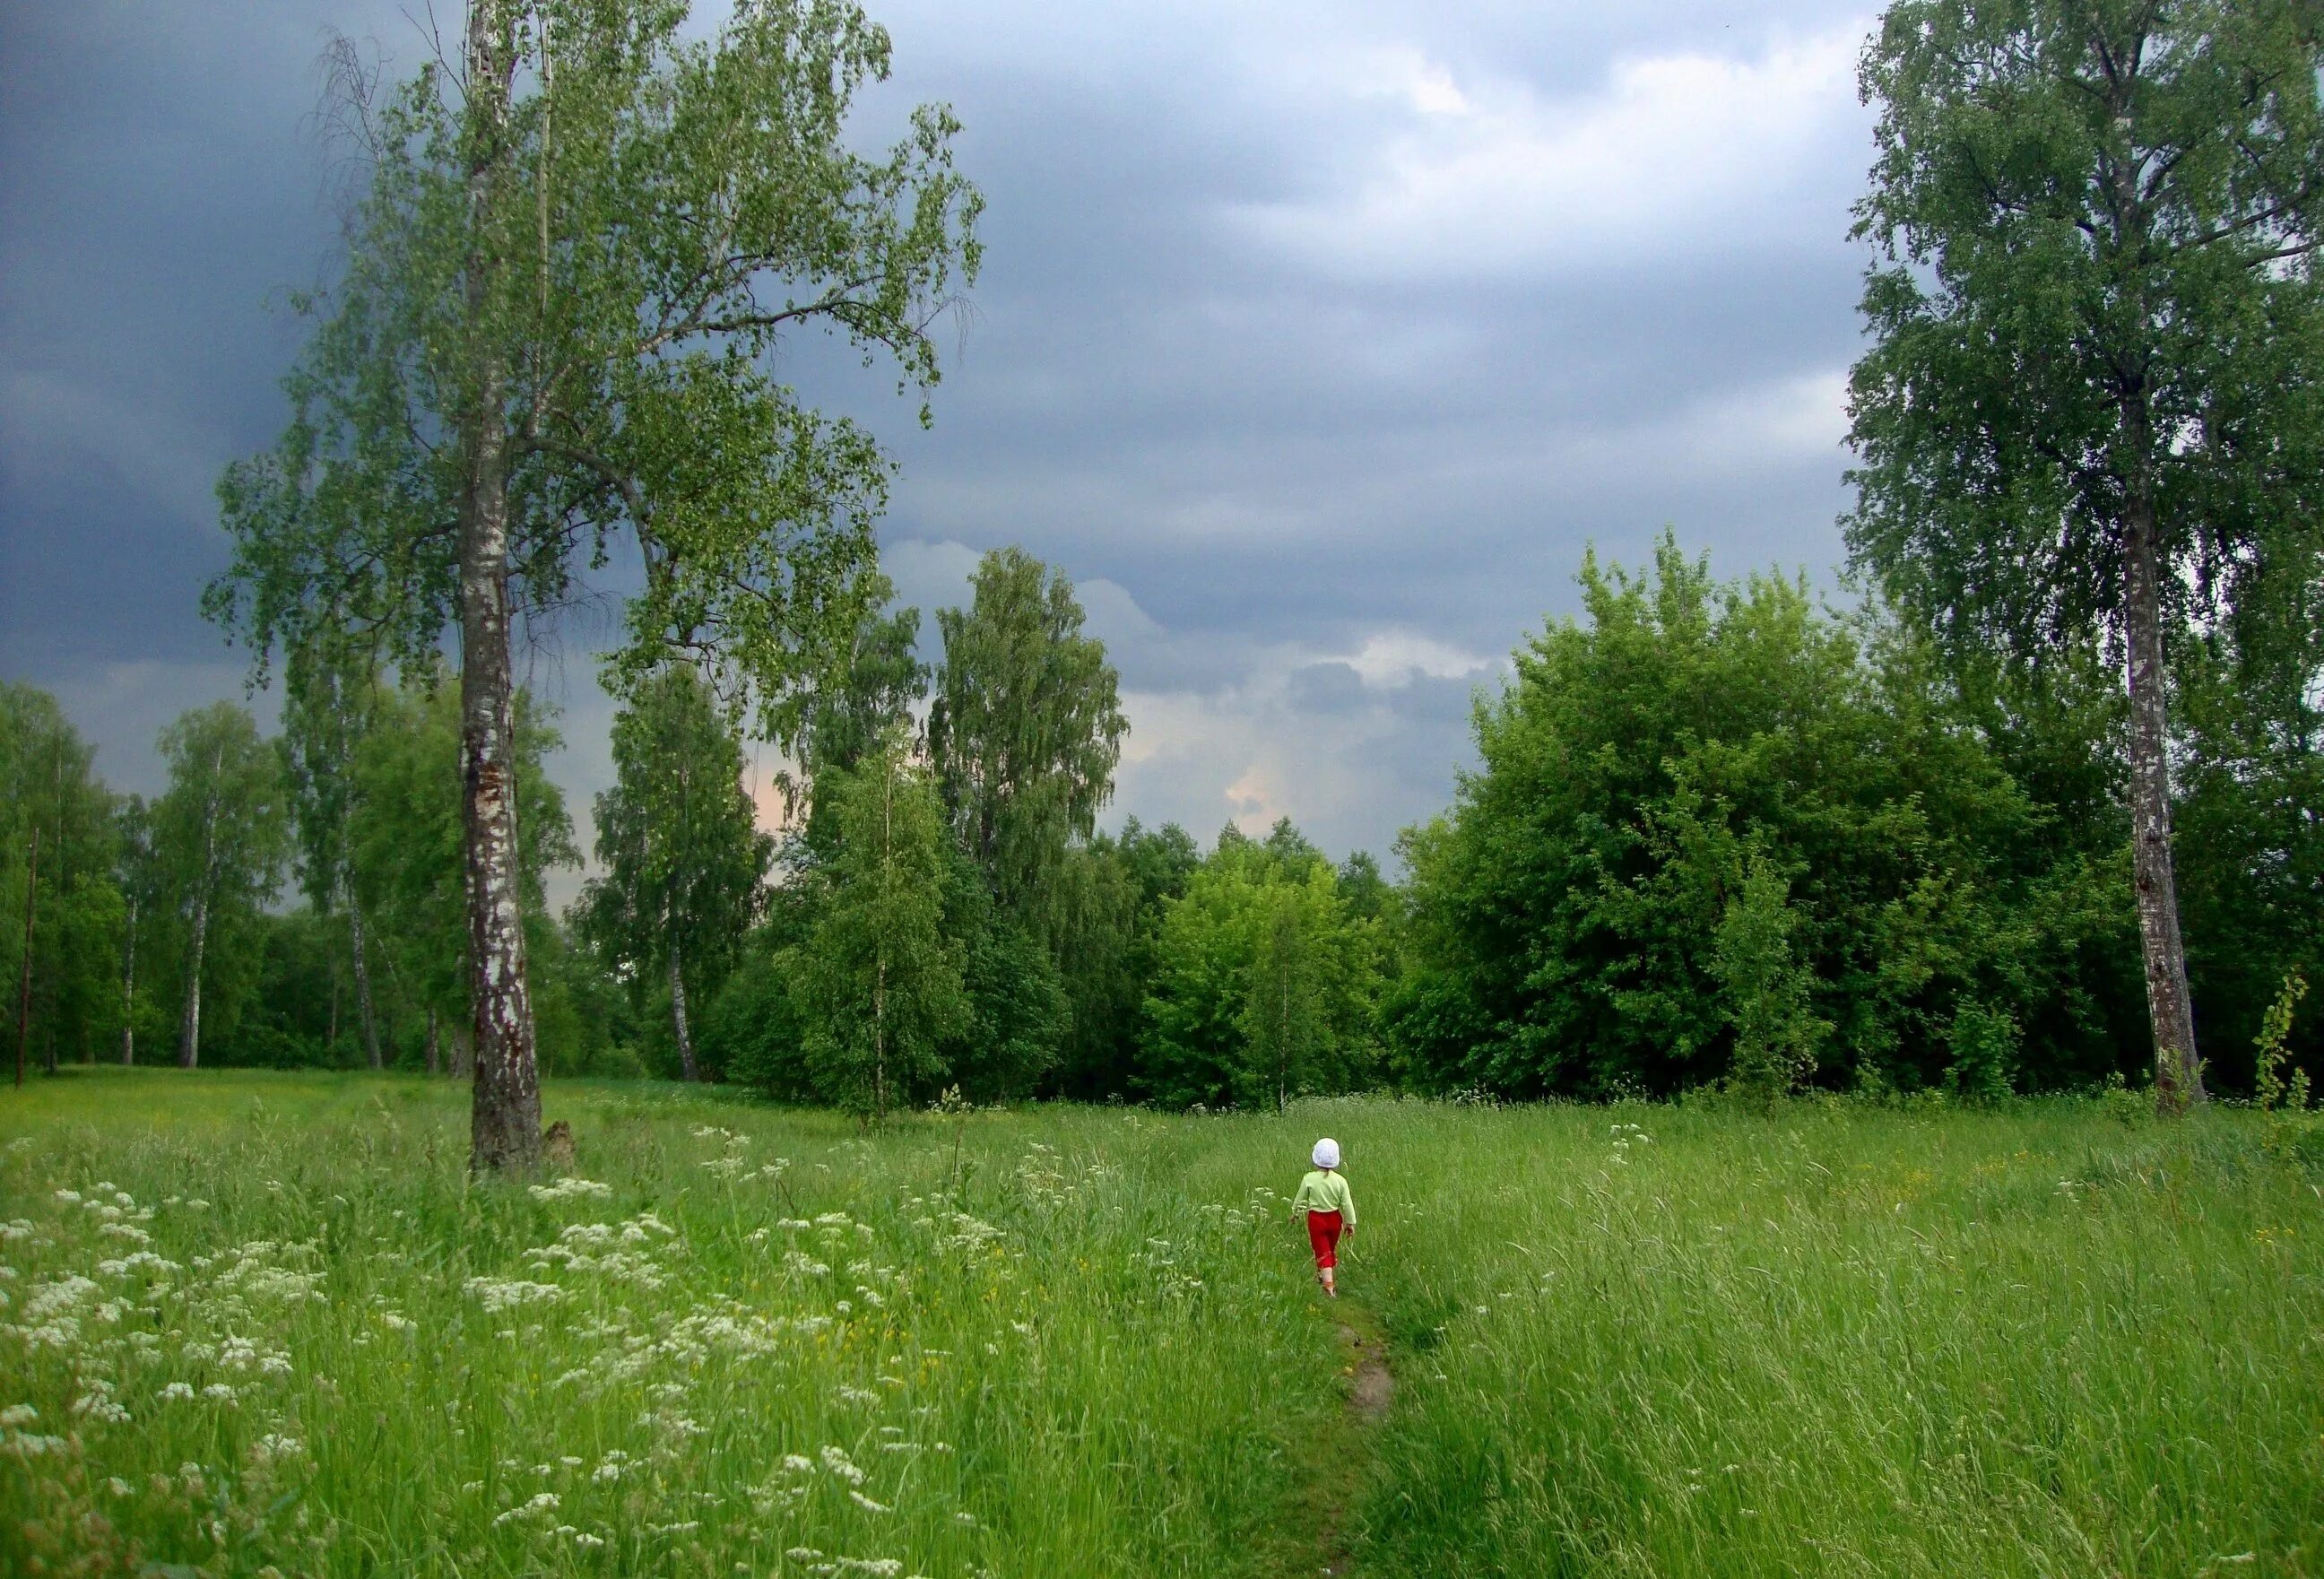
[1693,772]
[1263,983]
[1026,728]
[1106,912]
[872,693]
[1017,1009]
[2091,400]
[877,984]
[137,876]
[221,834]
[1763,984]
[2251,841]
[581,247]
[48,787]
[332,698]
[679,841]
[407,846]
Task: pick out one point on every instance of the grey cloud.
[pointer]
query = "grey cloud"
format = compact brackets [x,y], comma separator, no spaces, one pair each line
[1265,443]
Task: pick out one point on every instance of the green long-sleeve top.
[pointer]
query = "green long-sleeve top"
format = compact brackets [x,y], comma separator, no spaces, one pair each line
[1324,1190]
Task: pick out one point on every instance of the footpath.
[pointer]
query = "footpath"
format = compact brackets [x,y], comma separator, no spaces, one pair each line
[1338,1459]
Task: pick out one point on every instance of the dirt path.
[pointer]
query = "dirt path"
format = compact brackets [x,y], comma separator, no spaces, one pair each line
[1342,1470]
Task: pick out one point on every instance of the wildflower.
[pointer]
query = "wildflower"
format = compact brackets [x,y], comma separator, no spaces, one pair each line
[569,1190]
[866,1503]
[836,1460]
[16,1415]
[542,1502]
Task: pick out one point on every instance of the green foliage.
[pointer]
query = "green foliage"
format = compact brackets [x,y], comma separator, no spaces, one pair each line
[1106,915]
[1263,984]
[2273,1091]
[2094,287]
[679,841]
[408,842]
[1764,986]
[1984,1044]
[877,984]
[1712,820]
[660,206]
[221,838]
[47,784]
[1026,727]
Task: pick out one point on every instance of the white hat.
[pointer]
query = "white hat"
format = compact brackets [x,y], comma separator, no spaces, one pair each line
[1327,1152]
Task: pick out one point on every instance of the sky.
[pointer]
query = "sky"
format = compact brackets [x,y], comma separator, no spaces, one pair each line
[1317,343]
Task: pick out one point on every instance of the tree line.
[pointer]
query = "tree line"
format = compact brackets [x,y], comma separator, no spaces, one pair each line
[2045,796]
[1718,833]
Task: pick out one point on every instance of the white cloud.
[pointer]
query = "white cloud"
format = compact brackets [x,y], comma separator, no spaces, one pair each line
[1685,149]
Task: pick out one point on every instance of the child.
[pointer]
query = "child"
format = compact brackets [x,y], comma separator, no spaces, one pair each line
[1331,1210]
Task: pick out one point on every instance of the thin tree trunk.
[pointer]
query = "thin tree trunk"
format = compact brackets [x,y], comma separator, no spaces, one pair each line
[189,1031]
[189,1034]
[505,1117]
[2178,1074]
[435,1059]
[24,992]
[129,988]
[364,1016]
[880,967]
[63,886]
[678,1013]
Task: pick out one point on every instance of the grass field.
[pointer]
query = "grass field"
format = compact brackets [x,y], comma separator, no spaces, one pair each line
[259,1321]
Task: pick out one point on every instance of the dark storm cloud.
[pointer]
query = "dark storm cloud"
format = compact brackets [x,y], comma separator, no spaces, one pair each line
[1315,342]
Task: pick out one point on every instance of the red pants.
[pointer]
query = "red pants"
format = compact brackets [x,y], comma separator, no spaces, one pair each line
[1323,1234]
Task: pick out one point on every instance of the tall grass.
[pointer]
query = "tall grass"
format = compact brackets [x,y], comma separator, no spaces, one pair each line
[268,1321]
[1664,1341]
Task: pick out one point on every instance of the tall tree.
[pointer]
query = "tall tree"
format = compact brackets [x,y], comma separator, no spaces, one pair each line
[578,251]
[221,833]
[138,876]
[1026,728]
[2092,397]
[49,786]
[877,983]
[332,699]
[407,843]
[679,841]
[878,681]
[1263,983]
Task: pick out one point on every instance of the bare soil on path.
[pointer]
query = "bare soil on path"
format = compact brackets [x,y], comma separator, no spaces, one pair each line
[1344,1466]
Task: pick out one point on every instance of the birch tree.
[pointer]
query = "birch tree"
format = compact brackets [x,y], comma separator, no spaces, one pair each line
[679,840]
[584,238]
[332,700]
[877,983]
[221,834]
[1026,726]
[2091,403]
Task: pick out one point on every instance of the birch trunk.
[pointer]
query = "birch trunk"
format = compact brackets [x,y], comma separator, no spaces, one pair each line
[364,1016]
[190,1033]
[678,1013]
[2177,1073]
[129,988]
[24,991]
[505,1117]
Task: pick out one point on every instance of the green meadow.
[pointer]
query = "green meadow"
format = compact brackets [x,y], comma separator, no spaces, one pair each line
[268,1323]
